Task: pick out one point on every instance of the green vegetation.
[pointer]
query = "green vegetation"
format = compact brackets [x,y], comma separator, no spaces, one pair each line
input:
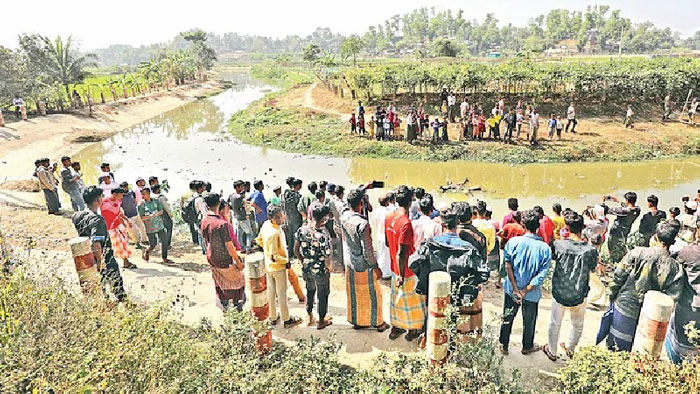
[598,370]
[48,70]
[54,341]
[278,73]
[621,81]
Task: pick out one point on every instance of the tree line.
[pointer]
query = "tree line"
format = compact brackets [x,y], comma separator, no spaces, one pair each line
[44,69]
[427,32]
[625,80]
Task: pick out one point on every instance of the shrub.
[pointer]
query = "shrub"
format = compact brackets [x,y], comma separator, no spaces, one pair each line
[595,369]
[54,341]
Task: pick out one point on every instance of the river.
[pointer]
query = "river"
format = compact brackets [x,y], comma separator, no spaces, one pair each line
[191,142]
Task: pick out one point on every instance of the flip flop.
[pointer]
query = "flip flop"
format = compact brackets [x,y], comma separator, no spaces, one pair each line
[548,353]
[569,352]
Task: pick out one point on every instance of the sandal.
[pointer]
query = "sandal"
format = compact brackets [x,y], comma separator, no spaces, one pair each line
[503,349]
[130,266]
[569,352]
[323,324]
[533,349]
[395,333]
[293,321]
[146,255]
[382,327]
[548,353]
[412,334]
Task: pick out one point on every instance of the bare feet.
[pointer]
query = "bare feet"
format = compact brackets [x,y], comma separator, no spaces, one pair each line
[311,320]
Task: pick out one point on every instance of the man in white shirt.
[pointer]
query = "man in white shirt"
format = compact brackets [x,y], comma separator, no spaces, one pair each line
[464,108]
[377,218]
[571,117]
[451,107]
[107,184]
[424,227]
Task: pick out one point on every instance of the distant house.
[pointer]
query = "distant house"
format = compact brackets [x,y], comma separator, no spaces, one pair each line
[564,47]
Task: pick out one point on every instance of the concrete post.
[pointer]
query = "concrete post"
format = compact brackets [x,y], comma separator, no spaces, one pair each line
[89,278]
[2,119]
[257,281]
[436,346]
[652,325]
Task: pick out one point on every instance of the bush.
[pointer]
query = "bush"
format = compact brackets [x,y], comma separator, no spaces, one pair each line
[595,369]
[54,341]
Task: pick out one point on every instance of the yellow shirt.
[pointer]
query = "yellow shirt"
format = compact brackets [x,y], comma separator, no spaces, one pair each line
[270,238]
[489,232]
[558,225]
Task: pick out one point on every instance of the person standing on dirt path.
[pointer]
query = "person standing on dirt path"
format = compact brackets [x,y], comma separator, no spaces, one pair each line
[364,294]
[576,259]
[244,230]
[625,216]
[642,269]
[360,109]
[527,260]
[89,223]
[70,183]
[117,222]
[313,248]
[406,306]
[48,186]
[571,118]
[151,212]
[629,124]
[667,108]
[277,264]
[168,215]
[136,229]
[534,127]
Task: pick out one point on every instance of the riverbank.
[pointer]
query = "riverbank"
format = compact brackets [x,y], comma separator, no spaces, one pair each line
[57,135]
[310,119]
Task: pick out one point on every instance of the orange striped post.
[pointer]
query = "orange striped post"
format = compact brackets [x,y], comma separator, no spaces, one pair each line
[257,281]
[653,322]
[470,323]
[89,278]
[436,345]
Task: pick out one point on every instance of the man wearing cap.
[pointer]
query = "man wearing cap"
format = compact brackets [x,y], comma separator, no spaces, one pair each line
[107,184]
[276,199]
[71,185]
[688,221]
[105,167]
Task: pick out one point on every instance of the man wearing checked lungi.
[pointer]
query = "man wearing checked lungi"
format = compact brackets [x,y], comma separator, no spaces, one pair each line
[407,308]
[362,273]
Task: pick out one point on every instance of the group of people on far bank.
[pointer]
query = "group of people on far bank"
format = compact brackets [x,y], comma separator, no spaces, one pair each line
[400,240]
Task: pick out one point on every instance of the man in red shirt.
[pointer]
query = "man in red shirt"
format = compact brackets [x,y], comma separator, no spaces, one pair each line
[406,308]
[546,230]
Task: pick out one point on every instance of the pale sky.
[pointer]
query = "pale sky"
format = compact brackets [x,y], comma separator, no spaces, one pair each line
[98,24]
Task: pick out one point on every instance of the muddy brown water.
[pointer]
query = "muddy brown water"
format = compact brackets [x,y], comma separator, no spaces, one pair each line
[191,142]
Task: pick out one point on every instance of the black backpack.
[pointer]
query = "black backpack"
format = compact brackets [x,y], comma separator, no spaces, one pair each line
[189,211]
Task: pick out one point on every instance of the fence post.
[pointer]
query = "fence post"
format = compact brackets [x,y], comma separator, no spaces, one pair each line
[653,322]
[439,286]
[257,279]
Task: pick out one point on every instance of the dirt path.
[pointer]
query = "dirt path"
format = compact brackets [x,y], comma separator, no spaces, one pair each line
[56,135]
[309,103]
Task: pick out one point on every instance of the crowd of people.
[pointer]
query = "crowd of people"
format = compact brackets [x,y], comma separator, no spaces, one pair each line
[402,239]
[475,121]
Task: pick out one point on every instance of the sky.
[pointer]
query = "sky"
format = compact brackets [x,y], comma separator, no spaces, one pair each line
[97,24]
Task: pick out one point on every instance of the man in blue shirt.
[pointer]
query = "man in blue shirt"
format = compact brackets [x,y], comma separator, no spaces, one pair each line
[527,260]
[259,203]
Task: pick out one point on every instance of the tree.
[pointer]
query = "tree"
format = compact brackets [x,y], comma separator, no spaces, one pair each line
[351,47]
[67,66]
[204,55]
[445,48]
[311,53]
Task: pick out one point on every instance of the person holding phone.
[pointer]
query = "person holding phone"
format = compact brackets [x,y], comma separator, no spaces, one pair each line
[527,260]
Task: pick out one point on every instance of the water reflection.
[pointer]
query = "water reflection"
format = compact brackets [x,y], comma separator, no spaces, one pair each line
[190,142]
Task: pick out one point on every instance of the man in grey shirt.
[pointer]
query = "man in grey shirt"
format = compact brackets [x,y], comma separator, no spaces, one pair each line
[243,228]
[70,181]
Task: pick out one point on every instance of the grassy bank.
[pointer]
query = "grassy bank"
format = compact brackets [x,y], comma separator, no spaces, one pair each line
[54,341]
[281,121]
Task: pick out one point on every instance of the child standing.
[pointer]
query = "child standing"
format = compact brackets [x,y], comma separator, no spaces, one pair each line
[560,126]
[628,118]
[552,126]
[353,123]
[445,136]
[361,125]
[436,130]
[370,125]
[387,128]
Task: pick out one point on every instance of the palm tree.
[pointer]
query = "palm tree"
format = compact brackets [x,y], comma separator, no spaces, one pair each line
[67,66]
